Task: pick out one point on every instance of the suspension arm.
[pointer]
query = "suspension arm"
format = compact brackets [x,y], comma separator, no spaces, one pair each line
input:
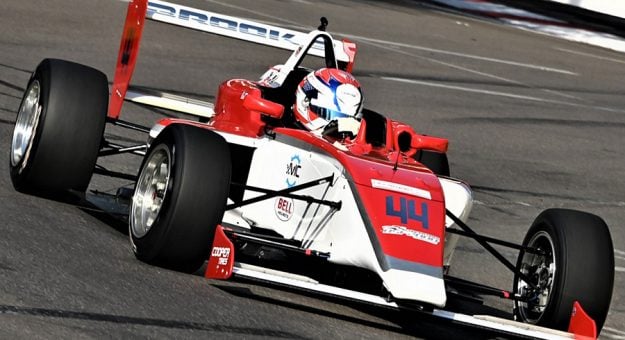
[116,149]
[287,193]
[472,234]
[496,241]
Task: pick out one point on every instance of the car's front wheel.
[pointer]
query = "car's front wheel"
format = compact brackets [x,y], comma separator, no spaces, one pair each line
[574,261]
[180,197]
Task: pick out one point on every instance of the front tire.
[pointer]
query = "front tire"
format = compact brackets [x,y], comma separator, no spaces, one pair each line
[59,128]
[577,264]
[180,197]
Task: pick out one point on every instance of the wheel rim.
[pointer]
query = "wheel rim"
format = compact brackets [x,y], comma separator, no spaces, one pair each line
[26,125]
[541,270]
[150,192]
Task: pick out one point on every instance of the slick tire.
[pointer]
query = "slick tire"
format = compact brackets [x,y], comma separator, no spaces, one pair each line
[578,265]
[59,128]
[180,197]
[435,161]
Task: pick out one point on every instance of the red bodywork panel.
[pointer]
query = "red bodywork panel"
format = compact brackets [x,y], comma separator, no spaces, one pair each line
[127,57]
[350,49]
[416,141]
[221,258]
[582,325]
[230,113]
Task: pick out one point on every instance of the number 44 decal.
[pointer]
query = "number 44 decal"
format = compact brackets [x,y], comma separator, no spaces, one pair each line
[407,211]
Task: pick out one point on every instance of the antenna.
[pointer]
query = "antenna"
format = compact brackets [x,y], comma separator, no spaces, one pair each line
[397,160]
[324,24]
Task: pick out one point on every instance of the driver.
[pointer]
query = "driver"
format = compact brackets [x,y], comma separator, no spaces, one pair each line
[328,98]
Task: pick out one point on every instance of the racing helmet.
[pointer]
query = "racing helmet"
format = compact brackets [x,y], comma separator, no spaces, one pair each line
[326,95]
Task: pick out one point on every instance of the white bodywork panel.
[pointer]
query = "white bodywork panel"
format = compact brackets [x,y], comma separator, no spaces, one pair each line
[342,233]
[458,200]
[171,102]
[484,321]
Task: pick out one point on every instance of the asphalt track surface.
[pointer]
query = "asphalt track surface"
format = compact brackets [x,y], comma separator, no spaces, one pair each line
[534,122]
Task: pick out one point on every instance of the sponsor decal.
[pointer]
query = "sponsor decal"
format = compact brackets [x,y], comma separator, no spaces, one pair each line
[129,42]
[284,208]
[219,22]
[222,253]
[406,209]
[270,78]
[401,188]
[292,171]
[415,234]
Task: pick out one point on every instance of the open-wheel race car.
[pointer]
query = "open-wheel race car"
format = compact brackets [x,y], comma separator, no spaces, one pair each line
[360,207]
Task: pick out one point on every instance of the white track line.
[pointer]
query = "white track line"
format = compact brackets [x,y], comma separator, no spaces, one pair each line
[273,17]
[620,252]
[417,47]
[612,333]
[589,55]
[614,330]
[500,94]
[465,69]
[465,89]
[464,55]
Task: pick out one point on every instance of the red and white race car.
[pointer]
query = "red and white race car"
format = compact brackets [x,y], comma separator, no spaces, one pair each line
[363,210]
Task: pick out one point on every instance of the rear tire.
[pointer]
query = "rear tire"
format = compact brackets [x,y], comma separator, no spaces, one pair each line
[180,197]
[578,265]
[59,128]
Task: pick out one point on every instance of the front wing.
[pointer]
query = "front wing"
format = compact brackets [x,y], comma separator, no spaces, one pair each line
[221,265]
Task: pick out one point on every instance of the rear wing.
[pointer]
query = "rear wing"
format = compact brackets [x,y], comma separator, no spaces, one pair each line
[205,21]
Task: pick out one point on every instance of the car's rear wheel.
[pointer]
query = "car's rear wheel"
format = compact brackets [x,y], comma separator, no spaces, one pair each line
[575,263]
[435,161]
[180,197]
[59,127]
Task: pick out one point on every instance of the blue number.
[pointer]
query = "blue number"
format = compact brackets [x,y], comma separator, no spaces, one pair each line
[401,213]
[423,218]
[407,211]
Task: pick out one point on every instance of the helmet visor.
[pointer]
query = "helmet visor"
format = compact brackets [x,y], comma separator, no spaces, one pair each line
[328,114]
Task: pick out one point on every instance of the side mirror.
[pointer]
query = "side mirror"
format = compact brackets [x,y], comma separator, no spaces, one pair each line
[408,142]
[263,106]
[430,143]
